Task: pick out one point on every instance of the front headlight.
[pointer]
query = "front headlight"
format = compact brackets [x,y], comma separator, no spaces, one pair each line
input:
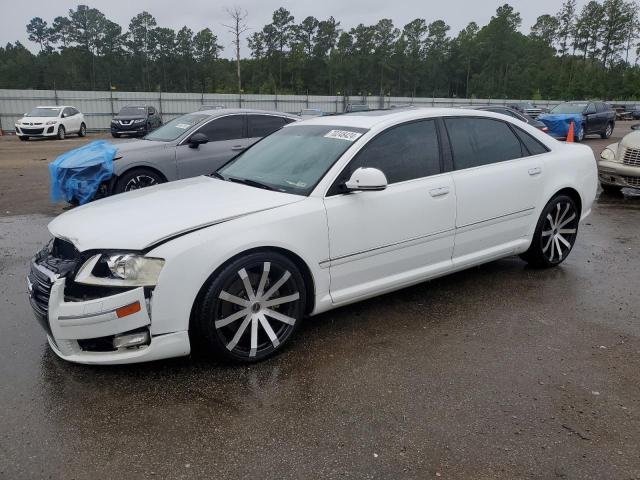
[608,155]
[120,270]
[52,122]
[115,122]
[141,120]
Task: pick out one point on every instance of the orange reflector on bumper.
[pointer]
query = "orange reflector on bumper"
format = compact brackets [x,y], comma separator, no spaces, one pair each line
[128,310]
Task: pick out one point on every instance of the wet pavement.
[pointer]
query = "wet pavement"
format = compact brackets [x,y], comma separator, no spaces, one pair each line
[500,371]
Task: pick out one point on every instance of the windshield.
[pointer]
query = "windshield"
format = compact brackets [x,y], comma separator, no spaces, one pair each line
[176,127]
[293,159]
[43,112]
[131,111]
[569,108]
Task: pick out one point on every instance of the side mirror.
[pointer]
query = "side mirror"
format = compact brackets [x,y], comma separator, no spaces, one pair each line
[198,139]
[635,127]
[366,179]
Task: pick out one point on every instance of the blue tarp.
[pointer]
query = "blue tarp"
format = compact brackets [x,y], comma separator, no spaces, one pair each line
[558,123]
[78,173]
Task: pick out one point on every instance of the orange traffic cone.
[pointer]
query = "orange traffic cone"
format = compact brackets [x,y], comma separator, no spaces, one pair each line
[571,133]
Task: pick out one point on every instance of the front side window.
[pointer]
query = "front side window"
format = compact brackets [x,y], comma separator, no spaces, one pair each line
[481,141]
[293,159]
[177,127]
[263,125]
[224,128]
[405,152]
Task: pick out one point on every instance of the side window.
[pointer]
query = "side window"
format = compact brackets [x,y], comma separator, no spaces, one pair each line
[591,108]
[481,141]
[532,145]
[403,153]
[263,125]
[67,112]
[225,128]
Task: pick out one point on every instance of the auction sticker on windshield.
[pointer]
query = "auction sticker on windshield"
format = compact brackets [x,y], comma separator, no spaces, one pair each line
[343,135]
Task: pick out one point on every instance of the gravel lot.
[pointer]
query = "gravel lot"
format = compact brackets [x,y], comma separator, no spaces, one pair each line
[497,372]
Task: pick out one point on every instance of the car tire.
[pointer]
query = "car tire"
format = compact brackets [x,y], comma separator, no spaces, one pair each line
[83,130]
[610,188]
[136,179]
[61,133]
[115,135]
[555,233]
[580,134]
[234,318]
[23,138]
[608,131]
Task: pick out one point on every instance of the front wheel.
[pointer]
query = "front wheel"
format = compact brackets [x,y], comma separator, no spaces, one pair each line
[61,133]
[580,134]
[608,131]
[555,233]
[83,130]
[250,308]
[136,179]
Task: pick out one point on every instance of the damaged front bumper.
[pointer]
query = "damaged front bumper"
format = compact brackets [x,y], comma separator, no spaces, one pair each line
[112,328]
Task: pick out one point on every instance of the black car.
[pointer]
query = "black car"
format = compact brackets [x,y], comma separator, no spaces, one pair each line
[510,112]
[135,120]
[597,117]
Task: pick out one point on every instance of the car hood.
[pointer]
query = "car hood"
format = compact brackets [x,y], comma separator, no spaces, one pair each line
[135,145]
[37,119]
[139,219]
[129,117]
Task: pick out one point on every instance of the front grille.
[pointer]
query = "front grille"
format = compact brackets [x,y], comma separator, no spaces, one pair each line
[32,131]
[39,293]
[631,156]
[632,181]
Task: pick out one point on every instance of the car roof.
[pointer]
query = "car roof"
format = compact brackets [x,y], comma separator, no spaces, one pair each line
[381,118]
[218,112]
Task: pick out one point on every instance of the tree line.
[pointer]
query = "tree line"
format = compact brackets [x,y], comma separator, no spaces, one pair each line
[592,52]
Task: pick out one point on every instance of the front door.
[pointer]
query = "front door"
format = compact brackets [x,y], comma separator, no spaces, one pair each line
[498,178]
[383,240]
[226,139]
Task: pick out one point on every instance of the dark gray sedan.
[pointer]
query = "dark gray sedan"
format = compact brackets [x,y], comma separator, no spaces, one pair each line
[193,144]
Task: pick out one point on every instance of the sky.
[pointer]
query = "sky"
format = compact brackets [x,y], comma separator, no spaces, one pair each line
[199,14]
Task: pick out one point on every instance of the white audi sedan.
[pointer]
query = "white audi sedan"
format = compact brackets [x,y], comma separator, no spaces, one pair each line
[53,121]
[319,214]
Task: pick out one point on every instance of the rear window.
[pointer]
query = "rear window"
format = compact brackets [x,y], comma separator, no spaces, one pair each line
[263,125]
[531,144]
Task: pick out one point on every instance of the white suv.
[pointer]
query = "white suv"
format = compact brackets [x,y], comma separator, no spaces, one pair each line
[54,121]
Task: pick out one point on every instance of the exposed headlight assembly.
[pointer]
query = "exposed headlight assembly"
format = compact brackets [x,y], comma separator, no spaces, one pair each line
[120,270]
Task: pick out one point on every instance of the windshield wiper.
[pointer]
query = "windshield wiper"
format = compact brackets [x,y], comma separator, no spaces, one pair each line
[251,183]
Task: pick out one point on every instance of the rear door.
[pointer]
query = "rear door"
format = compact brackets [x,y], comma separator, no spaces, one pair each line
[381,240]
[498,176]
[259,126]
[226,137]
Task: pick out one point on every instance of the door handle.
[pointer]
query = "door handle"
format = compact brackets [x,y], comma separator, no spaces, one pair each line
[439,192]
[237,147]
[535,171]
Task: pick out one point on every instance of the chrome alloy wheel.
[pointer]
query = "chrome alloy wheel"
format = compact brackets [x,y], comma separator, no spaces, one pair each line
[140,181]
[559,231]
[256,311]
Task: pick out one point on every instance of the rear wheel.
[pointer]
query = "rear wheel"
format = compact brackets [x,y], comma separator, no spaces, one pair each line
[136,179]
[250,309]
[83,130]
[555,233]
[61,133]
[607,131]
